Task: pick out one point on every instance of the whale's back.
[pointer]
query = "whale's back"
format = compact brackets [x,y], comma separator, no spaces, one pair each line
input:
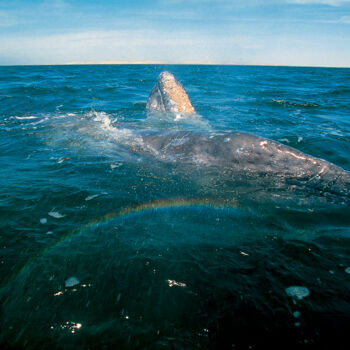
[244,153]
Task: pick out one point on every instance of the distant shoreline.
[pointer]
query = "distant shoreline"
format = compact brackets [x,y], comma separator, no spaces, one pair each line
[135,63]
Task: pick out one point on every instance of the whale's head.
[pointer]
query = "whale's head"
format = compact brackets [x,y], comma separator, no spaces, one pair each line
[169,96]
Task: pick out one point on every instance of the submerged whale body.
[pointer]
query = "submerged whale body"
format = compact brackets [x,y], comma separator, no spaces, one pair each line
[238,151]
[247,154]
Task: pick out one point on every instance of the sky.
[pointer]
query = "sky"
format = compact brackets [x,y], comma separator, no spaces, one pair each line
[274,32]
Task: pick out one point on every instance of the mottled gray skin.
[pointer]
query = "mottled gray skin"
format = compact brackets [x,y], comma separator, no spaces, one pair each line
[243,152]
[169,96]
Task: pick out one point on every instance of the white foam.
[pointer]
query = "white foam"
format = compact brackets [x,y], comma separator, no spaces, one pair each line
[120,135]
[173,283]
[244,253]
[103,118]
[116,165]
[40,121]
[26,118]
[56,214]
[88,198]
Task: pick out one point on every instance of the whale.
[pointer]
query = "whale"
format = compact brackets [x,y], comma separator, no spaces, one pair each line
[241,152]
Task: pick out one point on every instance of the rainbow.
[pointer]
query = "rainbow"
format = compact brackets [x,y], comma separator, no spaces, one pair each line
[158,207]
[144,209]
[150,208]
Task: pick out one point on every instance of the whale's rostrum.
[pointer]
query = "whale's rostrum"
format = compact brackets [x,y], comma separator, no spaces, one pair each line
[169,96]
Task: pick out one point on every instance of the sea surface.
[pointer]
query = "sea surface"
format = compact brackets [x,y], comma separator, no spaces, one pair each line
[105,247]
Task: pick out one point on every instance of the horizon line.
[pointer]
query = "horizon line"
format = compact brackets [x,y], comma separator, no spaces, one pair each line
[169,63]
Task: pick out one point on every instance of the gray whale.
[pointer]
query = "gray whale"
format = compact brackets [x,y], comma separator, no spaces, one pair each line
[224,162]
[241,152]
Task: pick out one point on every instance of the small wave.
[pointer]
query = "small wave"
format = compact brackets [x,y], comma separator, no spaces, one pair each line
[32,90]
[40,121]
[340,91]
[27,121]
[36,90]
[295,104]
[6,97]
[139,106]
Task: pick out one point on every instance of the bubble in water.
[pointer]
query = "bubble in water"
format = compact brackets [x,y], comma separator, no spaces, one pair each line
[347,270]
[71,282]
[297,292]
[43,221]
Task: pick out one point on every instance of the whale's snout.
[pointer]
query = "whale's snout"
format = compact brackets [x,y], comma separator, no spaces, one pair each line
[169,96]
[166,76]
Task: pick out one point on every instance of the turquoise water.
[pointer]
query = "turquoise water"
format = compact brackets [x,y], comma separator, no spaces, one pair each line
[105,247]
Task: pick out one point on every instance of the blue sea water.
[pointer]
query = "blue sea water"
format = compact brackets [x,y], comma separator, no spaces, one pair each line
[106,248]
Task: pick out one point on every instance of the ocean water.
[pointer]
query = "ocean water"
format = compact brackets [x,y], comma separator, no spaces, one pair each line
[106,247]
